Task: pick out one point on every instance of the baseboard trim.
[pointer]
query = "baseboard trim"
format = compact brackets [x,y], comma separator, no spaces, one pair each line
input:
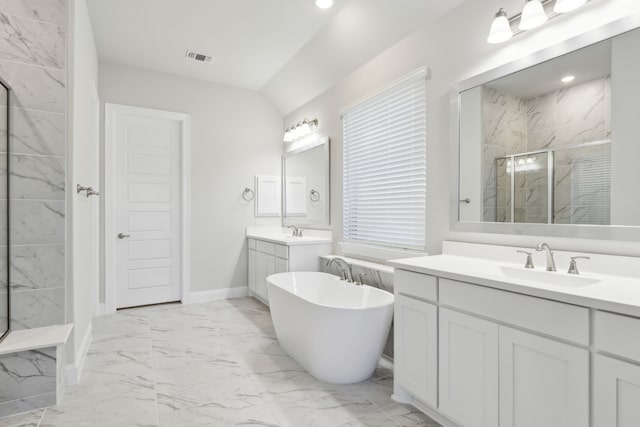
[73,371]
[217,294]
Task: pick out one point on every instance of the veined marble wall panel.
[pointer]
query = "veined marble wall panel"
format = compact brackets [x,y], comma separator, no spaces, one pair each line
[33,56]
[33,49]
[28,380]
[504,125]
[574,115]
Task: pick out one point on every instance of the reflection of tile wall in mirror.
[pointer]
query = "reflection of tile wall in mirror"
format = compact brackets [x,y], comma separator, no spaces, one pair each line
[515,125]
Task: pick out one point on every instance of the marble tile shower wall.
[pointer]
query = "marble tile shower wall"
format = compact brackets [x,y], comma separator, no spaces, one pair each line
[504,128]
[33,52]
[512,125]
[33,55]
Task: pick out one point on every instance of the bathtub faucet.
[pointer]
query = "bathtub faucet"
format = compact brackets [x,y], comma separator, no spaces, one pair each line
[347,269]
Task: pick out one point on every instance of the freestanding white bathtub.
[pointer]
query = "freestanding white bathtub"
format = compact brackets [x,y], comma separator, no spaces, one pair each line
[334,329]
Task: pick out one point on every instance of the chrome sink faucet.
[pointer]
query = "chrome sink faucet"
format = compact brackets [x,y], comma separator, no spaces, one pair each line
[551,264]
[348,274]
[295,231]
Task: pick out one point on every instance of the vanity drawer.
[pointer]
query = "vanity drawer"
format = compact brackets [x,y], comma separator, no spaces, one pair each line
[617,334]
[266,247]
[252,243]
[416,285]
[553,318]
[282,251]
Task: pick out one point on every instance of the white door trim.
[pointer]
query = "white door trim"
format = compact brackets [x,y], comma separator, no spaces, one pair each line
[111,112]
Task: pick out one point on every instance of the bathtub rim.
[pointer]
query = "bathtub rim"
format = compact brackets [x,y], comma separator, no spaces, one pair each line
[337,278]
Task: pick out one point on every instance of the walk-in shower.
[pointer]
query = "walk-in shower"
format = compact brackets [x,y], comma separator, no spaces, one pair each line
[562,185]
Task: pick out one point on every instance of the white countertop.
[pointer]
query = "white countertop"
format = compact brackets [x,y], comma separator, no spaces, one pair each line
[284,237]
[620,294]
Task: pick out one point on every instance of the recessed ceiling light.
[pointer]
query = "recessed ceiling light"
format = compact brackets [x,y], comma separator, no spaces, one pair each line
[567,79]
[324,4]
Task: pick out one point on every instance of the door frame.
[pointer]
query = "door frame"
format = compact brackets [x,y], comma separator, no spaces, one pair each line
[111,114]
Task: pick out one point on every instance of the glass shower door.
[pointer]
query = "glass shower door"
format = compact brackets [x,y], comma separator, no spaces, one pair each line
[4,209]
[523,193]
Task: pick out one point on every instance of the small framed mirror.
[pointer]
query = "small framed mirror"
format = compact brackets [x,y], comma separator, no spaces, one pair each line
[305,183]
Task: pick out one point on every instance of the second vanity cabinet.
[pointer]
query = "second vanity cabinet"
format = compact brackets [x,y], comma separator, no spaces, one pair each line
[498,358]
[268,257]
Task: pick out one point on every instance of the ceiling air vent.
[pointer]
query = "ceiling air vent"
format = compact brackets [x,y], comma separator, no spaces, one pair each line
[199,56]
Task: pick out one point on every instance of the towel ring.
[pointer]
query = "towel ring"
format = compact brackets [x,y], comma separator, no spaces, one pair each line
[314,196]
[248,194]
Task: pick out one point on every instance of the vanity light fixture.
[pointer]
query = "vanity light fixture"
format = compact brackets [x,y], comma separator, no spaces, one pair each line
[500,28]
[300,130]
[534,14]
[567,79]
[324,4]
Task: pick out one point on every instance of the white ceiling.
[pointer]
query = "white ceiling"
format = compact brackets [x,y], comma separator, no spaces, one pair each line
[585,64]
[289,49]
[250,39]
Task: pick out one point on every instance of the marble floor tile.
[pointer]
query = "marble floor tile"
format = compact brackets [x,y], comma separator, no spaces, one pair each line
[211,364]
[29,419]
[406,416]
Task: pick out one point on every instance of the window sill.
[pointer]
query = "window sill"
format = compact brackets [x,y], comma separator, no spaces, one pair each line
[375,252]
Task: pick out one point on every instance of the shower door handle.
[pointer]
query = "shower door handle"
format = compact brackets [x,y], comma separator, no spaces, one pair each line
[123,236]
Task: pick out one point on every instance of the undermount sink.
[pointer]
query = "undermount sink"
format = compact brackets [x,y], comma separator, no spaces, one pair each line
[546,277]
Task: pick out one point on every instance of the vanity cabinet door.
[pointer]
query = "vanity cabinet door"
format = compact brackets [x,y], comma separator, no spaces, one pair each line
[616,393]
[251,270]
[282,265]
[468,388]
[416,348]
[542,382]
[265,266]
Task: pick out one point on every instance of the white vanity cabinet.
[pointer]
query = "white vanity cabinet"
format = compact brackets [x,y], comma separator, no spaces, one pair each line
[504,359]
[616,383]
[266,257]
[543,382]
[616,392]
[416,336]
[468,369]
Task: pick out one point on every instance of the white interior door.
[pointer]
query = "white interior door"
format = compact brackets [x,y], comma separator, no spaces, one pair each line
[147,249]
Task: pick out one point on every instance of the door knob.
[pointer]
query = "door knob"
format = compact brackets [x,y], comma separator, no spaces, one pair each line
[122,235]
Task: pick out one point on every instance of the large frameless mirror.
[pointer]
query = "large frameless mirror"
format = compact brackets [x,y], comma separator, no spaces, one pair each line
[306,185]
[554,144]
[4,211]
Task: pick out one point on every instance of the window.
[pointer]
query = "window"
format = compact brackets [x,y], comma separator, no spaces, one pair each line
[384,178]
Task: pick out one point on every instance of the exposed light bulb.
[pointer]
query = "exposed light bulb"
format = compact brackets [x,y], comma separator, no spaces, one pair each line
[287,136]
[304,127]
[563,6]
[533,15]
[500,28]
[567,79]
[324,4]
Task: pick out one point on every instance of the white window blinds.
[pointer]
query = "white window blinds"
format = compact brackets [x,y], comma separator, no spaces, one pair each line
[384,178]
